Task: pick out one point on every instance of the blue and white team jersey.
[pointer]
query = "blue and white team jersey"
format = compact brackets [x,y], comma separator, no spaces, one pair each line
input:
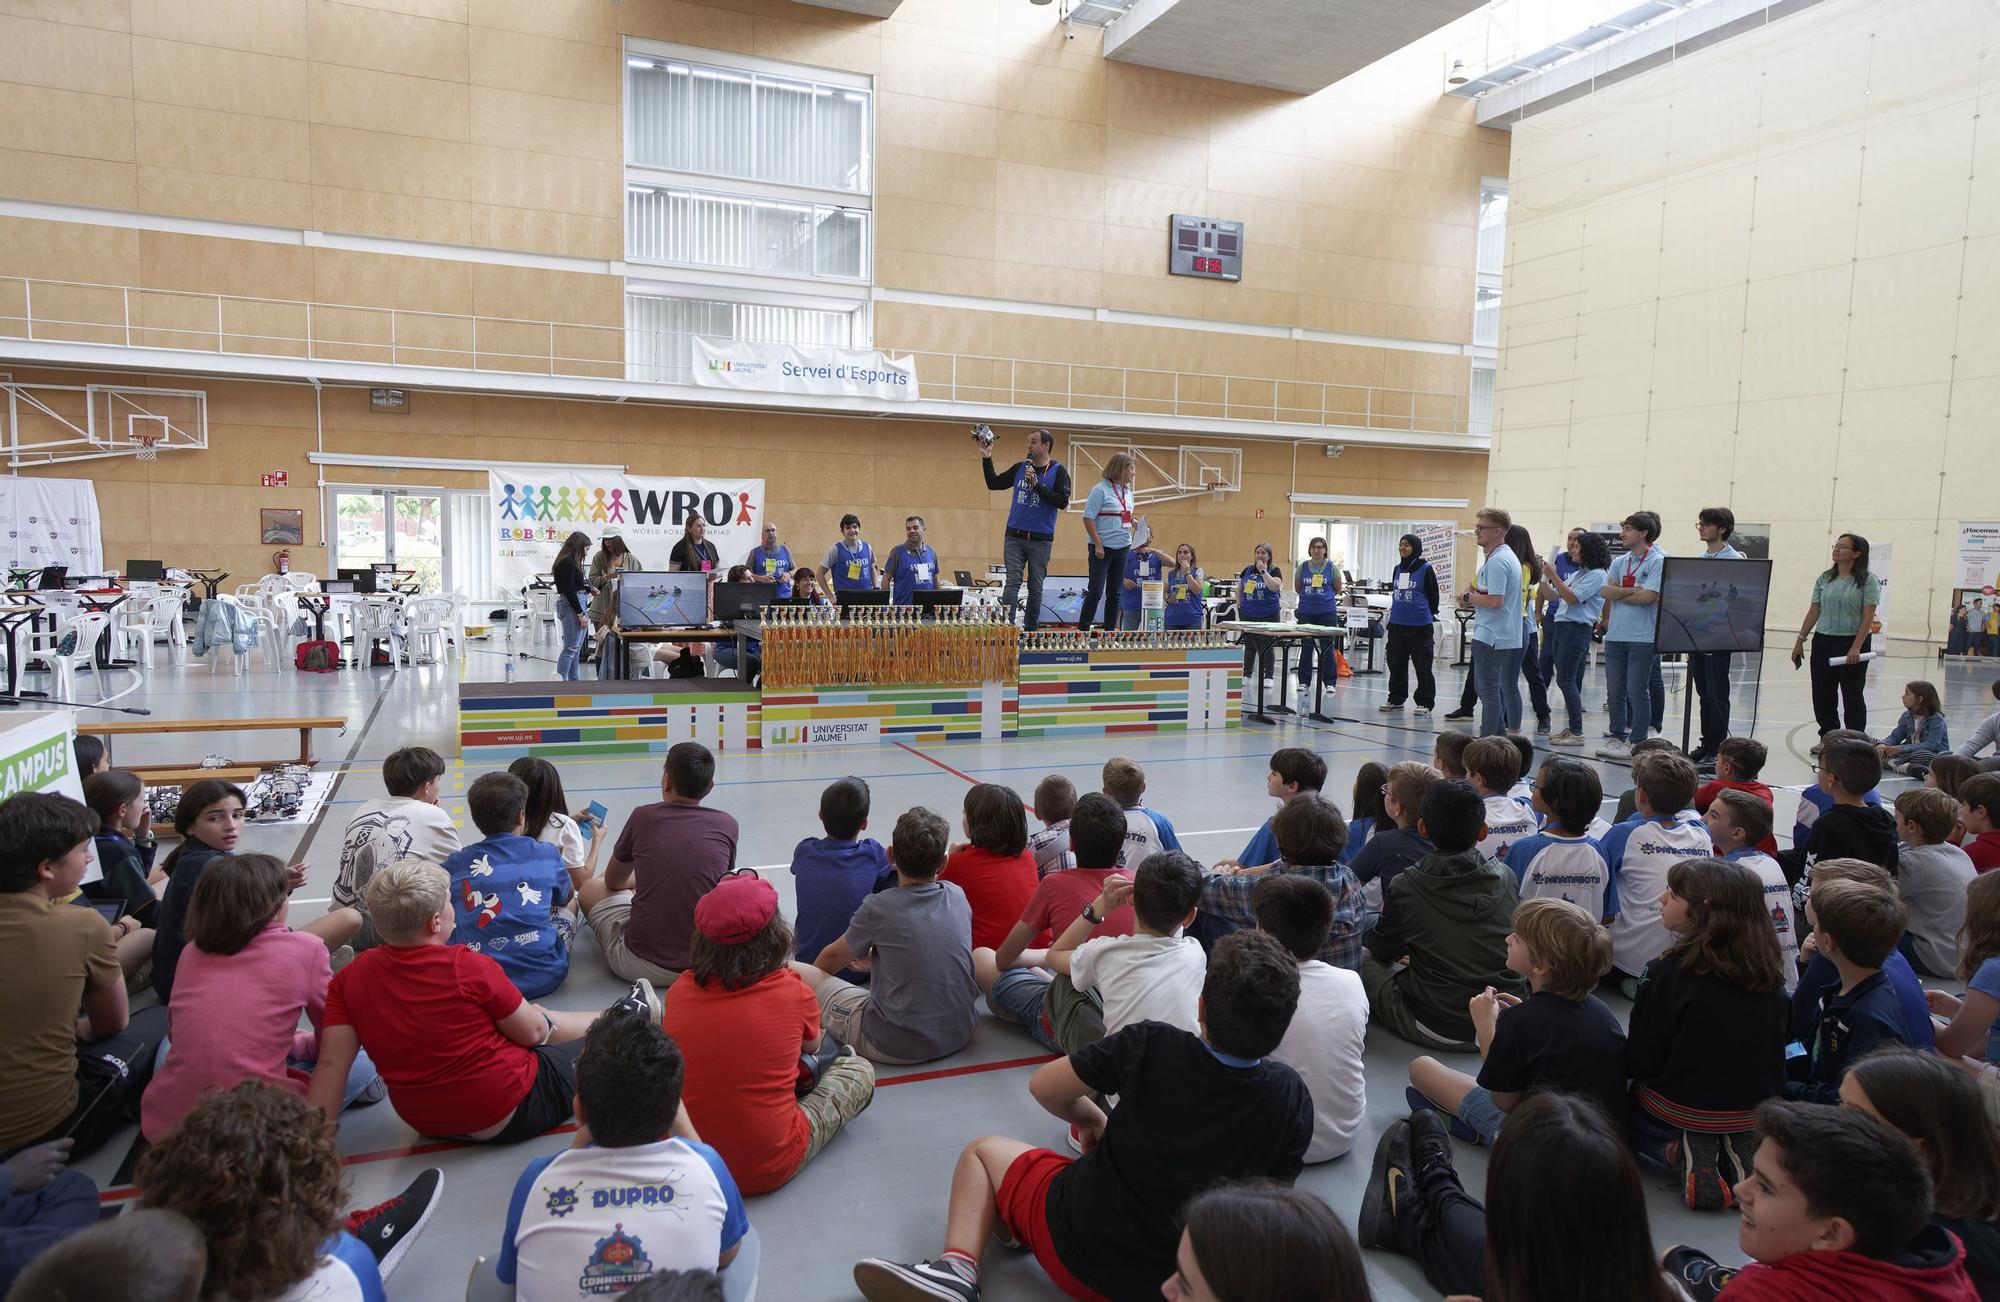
[1640,852]
[1147,832]
[1598,828]
[1778,896]
[1507,821]
[1524,791]
[1812,803]
[593,1222]
[346,1273]
[1566,868]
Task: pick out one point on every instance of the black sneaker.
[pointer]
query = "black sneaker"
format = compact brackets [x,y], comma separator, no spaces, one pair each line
[1418,1100]
[1704,1185]
[1702,755]
[893,1281]
[390,1228]
[643,1001]
[1459,716]
[1430,1142]
[1388,1188]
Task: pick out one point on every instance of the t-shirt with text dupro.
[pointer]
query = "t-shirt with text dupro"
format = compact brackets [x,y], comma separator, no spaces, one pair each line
[345,1272]
[923,989]
[1640,853]
[1142,978]
[678,853]
[1323,1045]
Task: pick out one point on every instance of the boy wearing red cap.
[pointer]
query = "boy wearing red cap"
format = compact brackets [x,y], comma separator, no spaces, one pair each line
[747,1025]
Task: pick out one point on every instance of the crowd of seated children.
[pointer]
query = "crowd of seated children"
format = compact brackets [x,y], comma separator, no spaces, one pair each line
[245,979]
[1561,861]
[1838,1204]
[1393,849]
[637,1192]
[255,1170]
[1561,1037]
[63,1076]
[1192,1110]
[1937,1106]
[1366,807]
[407,823]
[1055,801]
[1932,875]
[1857,926]
[1014,979]
[463,1054]
[1739,762]
[1442,936]
[125,846]
[1920,736]
[1738,822]
[509,892]
[1147,831]
[667,857]
[1705,1042]
[1979,812]
[575,836]
[992,865]
[1247,1240]
[1642,852]
[1310,833]
[1492,766]
[1152,975]
[1818,974]
[1972,1022]
[1323,1044]
[763,1085]
[832,874]
[915,938]
[1295,771]
[1815,799]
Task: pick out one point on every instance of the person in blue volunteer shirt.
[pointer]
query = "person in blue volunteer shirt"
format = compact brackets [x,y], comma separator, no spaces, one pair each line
[1186,587]
[1413,608]
[849,565]
[1040,488]
[1318,585]
[770,561]
[1258,589]
[1632,589]
[1548,605]
[1143,565]
[913,567]
[1495,599]
[1709,670]
[1107,518]
[1579,594]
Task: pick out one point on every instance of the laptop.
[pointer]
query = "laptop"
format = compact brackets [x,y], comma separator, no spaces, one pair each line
[928,602]
[741,600]
[360,579]
[662,599]
[145,572]
[963,578]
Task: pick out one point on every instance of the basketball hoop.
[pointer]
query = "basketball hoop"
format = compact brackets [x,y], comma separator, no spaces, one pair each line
[1215,492]
[149,446]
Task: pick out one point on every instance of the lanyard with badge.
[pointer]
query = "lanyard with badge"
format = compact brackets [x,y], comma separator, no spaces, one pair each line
[854,559]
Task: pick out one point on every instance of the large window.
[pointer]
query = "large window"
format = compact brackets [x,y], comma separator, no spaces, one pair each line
[658,330]
[771,237]
[1492,262]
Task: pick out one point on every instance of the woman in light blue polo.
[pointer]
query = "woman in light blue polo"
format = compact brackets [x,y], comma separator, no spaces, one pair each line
[849,565]
[1318,585]
[1107,518]
[1185,589]
[1579,601]
[1257,591]
[1495,599]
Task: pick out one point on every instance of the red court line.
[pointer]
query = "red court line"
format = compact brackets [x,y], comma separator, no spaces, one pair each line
[975,1069]
[940,763]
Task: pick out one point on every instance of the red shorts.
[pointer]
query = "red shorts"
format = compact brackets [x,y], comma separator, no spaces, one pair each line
[1024,1209]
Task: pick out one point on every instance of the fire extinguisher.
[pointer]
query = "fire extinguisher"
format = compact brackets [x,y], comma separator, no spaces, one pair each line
[284,560]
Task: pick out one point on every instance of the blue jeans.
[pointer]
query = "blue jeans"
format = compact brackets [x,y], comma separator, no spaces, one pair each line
[1510,696]
[1018,996]
[1032,556]
[359,1077]
[1628,682]
[1106,577]
[572,642]
[1481,1115]
[1133,619]
[1572,650]
[1494,673]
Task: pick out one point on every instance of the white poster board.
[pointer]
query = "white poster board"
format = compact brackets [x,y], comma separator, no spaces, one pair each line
[1978,554]
[46,522]
[815,372]
[535,510]
[38,753]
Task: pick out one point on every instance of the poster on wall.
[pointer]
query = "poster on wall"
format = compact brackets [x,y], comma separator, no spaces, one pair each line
[1440,542]
[51,522]
[1882,564]
[38,753]
[535,510]
[819,372]
[1978,553]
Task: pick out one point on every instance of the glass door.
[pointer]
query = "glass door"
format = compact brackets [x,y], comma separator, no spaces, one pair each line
[404,529]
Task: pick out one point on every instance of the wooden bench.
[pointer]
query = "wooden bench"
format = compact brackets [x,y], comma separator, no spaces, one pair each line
[303,724]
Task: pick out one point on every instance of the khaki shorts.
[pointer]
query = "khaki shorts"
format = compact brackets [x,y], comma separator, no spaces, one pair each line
[608,922]
[840,1009]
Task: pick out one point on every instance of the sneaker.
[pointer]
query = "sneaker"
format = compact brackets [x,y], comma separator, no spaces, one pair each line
[341,957]
[1815,750]
[372,1093]
[390,1228]
[1419,1101]
[1459,716]
[1423,711]
[1615,750]
[892,1281]
[1430,1142]
[1388,709]
[1702,755]
[1388,1188]
[1543,728]
[1075,1139]
[642,1000]
[1703,1186]
[1567,738]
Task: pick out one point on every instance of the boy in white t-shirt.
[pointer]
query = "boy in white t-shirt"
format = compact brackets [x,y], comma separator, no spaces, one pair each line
[1561,860]
[1324,1041]
[1736,822]
[1153,975]
[1665,832]
[408,823]
[1491,766]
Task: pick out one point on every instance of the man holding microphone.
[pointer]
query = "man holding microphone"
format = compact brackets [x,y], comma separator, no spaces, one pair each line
[1040,486]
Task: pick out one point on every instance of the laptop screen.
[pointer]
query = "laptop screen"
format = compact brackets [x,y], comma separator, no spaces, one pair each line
[145,571]
[660,599]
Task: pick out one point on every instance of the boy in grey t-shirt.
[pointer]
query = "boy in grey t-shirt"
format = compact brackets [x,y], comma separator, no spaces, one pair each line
[916,941]
[1931,876]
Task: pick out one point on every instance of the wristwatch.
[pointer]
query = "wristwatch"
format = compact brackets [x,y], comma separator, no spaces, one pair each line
[1090,914]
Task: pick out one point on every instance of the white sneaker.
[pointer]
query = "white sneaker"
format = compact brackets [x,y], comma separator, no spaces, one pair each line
[1615,749]
[1388,709]
[1567,738]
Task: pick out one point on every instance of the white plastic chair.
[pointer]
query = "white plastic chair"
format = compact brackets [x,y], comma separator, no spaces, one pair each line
[260,621]
[542,613]
[76,645]
[428,628]
[378,619]
[300,581]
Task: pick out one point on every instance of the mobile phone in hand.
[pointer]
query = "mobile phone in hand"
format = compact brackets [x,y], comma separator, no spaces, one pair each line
[597,811]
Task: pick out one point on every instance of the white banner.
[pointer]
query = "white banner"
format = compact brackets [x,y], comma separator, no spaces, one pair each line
[38,753]
[819,372]
[1978,554]
[51,522]
[830,732]
[535,510]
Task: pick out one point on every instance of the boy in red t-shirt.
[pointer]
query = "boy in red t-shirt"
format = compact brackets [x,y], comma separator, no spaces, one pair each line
[993,866]
[1738,762]
[1979,810]
[1013,978]
[463,1054]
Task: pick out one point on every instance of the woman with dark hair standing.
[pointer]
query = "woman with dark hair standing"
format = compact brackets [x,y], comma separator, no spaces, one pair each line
[1838,622]
[613,557]
[1580,600]
[1413,612]
[1258,589]
[1252,1242]
[570,612]
[694,553]
[1529,656]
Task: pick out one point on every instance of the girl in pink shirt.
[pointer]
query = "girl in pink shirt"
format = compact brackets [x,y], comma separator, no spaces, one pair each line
[243,981]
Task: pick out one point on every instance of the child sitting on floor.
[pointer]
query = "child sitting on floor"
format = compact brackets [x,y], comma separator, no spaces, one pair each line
[1738,762]
[1491,765]
[1851,828]
[1561,861]
[1310,834]
[1191,1111]
[1295,771]
[993,866]
[1147,831]
[578,837]
[1818,975]
[1442,937]
[407,823]
[835,872]
[148,1254]
[510,893]
[125,844]
[1393,849]
[1055,800]
[1856,925]
[1640,854]
[1920,736]
[1979,813]
[1323,1044]
[1369,780]
[916,938]
[1737,822]
[1154,974]
[1448,752]
[1628,800]
[1972,1021]
[1932,876]
[1561,1037]
[1523,791]
[1815,800]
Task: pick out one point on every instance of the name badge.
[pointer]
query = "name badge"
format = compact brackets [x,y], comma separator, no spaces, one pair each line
[1318,581]
[770,565]
[923,572]
[1402,578]
[854,569]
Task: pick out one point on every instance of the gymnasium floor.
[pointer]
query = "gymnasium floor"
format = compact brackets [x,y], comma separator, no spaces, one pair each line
[880,1187]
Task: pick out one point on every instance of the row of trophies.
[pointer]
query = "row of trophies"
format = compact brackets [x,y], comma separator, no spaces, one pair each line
[884,647]
[882,616]
[1153,639]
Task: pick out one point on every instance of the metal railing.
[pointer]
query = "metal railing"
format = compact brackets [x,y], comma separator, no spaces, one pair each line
[66,311]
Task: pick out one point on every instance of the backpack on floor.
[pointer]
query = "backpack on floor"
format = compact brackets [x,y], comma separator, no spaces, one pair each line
[316,657]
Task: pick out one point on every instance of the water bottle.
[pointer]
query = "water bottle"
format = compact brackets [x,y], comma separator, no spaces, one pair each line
[510,665]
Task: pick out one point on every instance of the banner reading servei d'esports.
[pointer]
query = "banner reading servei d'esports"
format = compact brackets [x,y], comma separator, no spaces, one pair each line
[535,510]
